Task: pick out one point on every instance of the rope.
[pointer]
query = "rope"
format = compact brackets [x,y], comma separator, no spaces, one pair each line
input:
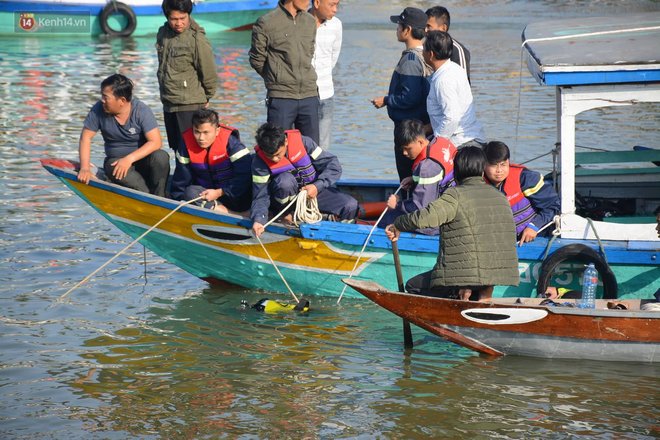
[365,245]
[562,37]
[600,244]
[132,243]
[557,232]
[590,34]
[278,271]
[307,211]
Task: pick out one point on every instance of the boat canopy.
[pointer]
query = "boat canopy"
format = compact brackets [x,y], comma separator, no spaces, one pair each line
[594,62]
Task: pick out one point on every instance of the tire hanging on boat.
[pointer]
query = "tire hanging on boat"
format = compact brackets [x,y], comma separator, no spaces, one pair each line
[120,8]
[581,252]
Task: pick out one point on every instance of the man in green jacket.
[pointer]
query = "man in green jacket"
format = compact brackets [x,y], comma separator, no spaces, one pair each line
[187,73]
[282,49]
[477,235]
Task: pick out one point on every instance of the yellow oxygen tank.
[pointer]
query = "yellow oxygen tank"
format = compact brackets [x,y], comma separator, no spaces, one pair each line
[269,306]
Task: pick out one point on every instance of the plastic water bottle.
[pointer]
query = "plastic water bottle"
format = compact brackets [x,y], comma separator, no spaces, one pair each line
[589,285]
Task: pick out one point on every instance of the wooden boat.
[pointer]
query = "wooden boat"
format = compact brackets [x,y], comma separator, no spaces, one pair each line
[315,257]
[128,17]
[520,326]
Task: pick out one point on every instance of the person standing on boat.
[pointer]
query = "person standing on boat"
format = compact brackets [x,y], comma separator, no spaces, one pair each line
[477,234]
[326,54]
[409,86]
[450,104]
[281,53]
[212,162]
[287,163]
[534,202]
[439,20]
[432,171]
[187,74]
[132,141]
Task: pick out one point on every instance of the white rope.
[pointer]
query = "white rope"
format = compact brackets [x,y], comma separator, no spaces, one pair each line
[562,37]
[555,221]
[590,34]
[307,211]
[365,245]
[132,243]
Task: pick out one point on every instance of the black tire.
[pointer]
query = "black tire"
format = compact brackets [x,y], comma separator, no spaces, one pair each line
[581,252]
[121,8]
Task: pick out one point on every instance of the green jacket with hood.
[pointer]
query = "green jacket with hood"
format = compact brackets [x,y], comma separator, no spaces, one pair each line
[187,73]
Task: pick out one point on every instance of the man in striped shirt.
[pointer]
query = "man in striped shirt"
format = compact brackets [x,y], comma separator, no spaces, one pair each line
[326,54]
[439,20]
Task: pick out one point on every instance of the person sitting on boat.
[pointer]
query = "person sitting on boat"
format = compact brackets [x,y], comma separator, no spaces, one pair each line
[187,74]
[432,171]
[287,163]
[132,141]
[477,235]
[450,103]
[212,162]
[534,202]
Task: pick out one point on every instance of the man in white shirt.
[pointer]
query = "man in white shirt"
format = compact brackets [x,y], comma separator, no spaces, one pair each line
[326,54]
[449,104]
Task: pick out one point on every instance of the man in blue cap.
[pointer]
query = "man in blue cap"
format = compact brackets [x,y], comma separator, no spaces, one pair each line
[409,87]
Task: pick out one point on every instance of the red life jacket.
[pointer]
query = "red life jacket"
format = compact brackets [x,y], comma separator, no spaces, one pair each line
[295,160]
[442,151]
[523,212]
[212,166]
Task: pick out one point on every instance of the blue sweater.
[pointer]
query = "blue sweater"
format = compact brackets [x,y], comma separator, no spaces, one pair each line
[406,98]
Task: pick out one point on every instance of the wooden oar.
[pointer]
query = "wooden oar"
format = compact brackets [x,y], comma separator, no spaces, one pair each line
[134,241]
[407,332]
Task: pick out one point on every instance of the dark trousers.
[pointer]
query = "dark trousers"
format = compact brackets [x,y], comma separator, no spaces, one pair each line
[421,285]
[148,174]
[193,191]
[301,114]
[175,124]
[284,187]
[404,165]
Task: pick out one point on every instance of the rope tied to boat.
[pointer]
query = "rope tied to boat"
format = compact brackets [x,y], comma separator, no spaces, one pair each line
[306,211]
[181,205]
[557,232]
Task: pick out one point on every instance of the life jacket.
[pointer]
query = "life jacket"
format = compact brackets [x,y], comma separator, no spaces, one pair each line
[212,166]
[523,212]
[441,151]
[295,160]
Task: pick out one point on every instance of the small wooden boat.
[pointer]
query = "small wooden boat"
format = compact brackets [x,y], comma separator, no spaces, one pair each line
[120,18]
[520,326]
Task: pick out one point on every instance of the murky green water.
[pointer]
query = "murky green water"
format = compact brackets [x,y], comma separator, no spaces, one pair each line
[167,356]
